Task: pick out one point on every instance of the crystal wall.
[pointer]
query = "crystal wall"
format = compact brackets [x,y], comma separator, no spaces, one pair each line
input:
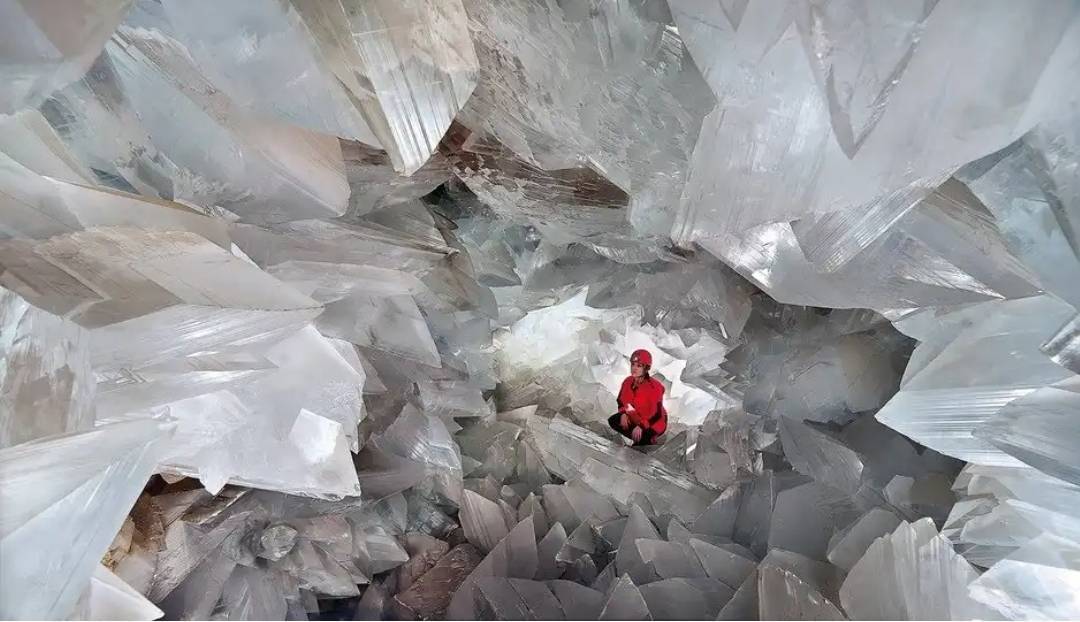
[317,309]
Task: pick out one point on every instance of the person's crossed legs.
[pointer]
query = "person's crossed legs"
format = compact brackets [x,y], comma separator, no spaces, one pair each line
[617,421]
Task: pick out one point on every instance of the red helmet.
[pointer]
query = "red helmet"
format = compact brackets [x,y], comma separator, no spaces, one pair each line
[641,356]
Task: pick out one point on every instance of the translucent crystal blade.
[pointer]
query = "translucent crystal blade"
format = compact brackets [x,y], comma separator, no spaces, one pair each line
[768,75]
[813,452]
[48,385]
[265,170]
[166,291]
[722,564]
[425,440]
[616,75]
[394,323]
[285,52]
[64,499]
[109,598]
[577,198]
[625,602]
[1038,580]
[1064,347]
[753,521]
[570,451]
[670,560]
[513,556]
[483,521]
[359,282]
[424,552]
[578,600]
[48,47]
[859,58]
[38,207]
[744,603]
[375,184]
[675,599]
[28,139]
[719,518]
[911,573]
[520,598]
[547,551]
[945,401]
[782,595]
[1040,429]
[835,238]
[415,64]
[895,272]
[1030,187]
[1002,508]
[805,518]
[850,545]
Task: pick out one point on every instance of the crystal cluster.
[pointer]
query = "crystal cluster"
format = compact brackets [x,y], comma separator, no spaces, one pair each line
[319,309]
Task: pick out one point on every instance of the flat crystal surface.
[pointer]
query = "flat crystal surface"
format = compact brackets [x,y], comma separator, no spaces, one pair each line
[63,499]
[49,47]
[325,309]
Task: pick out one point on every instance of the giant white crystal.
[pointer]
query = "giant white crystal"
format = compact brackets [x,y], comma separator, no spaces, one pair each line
[150,295]
[63,500]
[1040,429]
[49,46]
[47,386]
[609,85]
[573,452]
[41,202]
[387,73]
[943,399]
[262,169]
[1038,580]
[1031,188]
[831,95]
[911,573]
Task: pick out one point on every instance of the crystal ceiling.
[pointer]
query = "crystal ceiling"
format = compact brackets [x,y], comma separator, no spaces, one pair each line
[317,309]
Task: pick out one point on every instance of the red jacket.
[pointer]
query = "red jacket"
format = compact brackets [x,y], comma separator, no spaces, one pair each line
[648,401]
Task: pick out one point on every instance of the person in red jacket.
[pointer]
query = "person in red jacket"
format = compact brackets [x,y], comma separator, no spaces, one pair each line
[642,417]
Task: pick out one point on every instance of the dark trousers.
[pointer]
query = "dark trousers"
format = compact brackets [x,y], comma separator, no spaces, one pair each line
[648,437]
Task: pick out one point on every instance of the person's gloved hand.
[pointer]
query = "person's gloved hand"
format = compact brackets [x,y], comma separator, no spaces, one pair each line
[624,422]
[636,434]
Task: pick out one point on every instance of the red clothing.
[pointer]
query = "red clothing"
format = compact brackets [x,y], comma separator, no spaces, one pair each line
[648,401]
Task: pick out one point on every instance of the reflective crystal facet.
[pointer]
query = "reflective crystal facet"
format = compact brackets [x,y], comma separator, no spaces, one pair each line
[63,500]
[336,301]
[48,47]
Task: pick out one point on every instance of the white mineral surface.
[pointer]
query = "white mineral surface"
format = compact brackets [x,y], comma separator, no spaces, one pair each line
[317,309]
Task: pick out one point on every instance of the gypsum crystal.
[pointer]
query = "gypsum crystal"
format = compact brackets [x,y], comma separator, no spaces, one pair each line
[48,385]
[407,68]
[791,60]
[51,47]
[944,401]
[617,72]
[47,558]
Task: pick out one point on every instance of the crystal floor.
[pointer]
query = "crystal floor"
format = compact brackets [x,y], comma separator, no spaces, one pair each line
[317,309]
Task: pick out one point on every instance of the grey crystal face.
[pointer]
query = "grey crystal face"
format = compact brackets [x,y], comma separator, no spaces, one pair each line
[321,310]
[276,541]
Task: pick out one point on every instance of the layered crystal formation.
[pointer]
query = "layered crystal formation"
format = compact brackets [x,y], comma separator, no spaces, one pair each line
[63,499]
[48,47]
[391,74]
[320,310]
[945,402]
[48,383]
[826,101]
